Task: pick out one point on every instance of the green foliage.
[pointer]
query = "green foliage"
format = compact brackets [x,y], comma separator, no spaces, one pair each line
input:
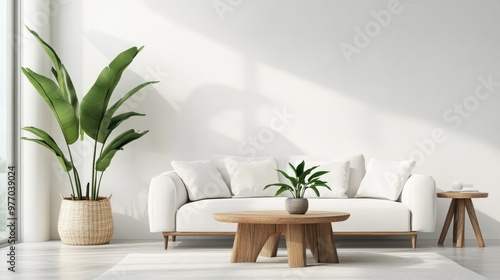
[299,181]
[92,116]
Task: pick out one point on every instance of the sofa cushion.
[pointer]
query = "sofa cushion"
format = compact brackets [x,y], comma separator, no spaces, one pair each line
[366,214]
[385,179]
[218,161]
[248,179]
[202,180]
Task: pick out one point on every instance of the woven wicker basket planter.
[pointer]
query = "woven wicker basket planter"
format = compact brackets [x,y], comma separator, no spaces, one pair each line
[85,222]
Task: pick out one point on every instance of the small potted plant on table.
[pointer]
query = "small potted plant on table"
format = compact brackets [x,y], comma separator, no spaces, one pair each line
[300,181]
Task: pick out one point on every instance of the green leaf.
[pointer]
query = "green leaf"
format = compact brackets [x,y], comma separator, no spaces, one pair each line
[277,185]
[114,146]
[66,84]
[321,184]
[48,142]
[48,49]
[291,179]
[300,169]
[95,103]
[116,120]
[63,79]
[315,190]
[317,174]
[62,109]
[107,118]
[283,189]
[302,177]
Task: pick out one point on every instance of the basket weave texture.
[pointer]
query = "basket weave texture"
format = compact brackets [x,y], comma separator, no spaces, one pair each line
[85,222]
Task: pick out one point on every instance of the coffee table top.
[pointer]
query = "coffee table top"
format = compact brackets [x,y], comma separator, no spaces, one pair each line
[280,217]
[462,195]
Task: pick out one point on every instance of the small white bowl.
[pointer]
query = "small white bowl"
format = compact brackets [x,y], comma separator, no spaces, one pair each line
[457,186]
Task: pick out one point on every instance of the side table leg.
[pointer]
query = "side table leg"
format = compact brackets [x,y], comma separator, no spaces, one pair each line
[460,222]
[474,222]
[455,221]
[447,221]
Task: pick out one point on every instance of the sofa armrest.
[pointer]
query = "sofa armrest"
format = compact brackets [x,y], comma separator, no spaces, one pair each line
[167,193]
[419,194]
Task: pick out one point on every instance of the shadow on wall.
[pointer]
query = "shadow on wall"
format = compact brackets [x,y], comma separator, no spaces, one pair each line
[413,68]
[182,131]
[410,67]
[224,115]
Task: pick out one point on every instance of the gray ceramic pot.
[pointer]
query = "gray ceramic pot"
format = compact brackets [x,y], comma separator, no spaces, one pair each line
[296,205]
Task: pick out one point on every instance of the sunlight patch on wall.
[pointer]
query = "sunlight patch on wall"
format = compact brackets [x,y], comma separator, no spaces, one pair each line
[329,118]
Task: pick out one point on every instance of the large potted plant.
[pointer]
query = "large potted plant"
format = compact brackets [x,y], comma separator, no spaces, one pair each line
[85,219]
[300,181]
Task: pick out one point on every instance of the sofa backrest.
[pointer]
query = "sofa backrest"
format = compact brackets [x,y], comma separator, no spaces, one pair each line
[356,172]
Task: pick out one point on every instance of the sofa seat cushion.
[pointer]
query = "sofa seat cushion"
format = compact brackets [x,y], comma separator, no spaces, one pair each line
[366,214]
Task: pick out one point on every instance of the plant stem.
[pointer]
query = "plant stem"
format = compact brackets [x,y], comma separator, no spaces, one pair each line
[75,175]
[71,183]
[100,177]
[99,185]
[93,171]
[304,191]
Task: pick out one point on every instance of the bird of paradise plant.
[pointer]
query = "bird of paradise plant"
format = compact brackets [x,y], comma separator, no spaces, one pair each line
[93,116]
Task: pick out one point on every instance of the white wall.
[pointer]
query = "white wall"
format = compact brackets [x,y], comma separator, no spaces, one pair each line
[227,68]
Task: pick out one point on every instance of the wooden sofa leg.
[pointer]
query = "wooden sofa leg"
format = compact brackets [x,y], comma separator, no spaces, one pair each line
[174,238]
[165,240]
[414,241]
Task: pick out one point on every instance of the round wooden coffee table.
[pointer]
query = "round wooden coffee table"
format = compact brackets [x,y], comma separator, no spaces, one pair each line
[259,232]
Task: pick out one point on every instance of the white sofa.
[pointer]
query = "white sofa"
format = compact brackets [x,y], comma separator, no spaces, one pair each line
[173,214]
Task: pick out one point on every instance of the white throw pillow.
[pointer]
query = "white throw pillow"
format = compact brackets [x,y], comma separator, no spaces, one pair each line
[337,178]
[385,179]
[248,179]
[218,161]
[202,179]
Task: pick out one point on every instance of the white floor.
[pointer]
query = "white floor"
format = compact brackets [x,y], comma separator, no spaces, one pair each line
[53,260]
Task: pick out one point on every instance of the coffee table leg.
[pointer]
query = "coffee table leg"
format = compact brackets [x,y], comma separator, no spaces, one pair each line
[295,245]
[270,249]
[321,243]
[249,240]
